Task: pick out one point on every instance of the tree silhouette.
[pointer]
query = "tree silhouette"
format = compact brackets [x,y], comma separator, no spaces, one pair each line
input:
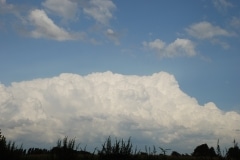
[64,150]
[204,151]
[8,150]
[234,152]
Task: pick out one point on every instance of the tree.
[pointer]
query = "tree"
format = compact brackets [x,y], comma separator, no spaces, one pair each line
[8,150]
[204,151]
[118,150]
[234,152]
[175,154]
[64,150]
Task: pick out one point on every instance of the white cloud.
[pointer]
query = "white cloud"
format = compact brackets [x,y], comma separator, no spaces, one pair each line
[222,5]
[205,30]
[152,109]
[100,10]
[8,8]
[44,27]
[180,47]
[66,9]
[48,21]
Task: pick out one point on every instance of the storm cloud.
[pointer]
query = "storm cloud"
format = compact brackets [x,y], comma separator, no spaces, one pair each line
[153,110]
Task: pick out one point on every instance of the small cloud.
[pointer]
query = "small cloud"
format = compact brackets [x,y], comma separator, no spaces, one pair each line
[222,5]
[44,27]
[113,36]
[100,10]
[7,8]
[63,8]
[180,47]
[221,43]
[205,30]
[4,5]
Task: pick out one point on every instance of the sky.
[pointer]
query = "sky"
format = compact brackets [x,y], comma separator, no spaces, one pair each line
[164,72]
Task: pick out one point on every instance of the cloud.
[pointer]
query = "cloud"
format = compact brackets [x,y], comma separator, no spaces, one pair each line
[235,22]
[36,23]
[222,5]
[151,109]
[44,27]
[205,30]
[100,10]
[5,6]
[65,9]
[180,47]
[113,36]
[44,22]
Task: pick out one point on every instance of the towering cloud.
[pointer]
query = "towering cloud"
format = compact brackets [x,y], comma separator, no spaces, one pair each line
[151,109]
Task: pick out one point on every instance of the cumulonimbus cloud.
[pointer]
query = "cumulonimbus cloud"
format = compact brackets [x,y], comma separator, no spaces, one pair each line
[151,109]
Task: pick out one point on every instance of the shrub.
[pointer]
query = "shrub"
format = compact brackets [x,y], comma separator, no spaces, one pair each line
[119,150]
[64,150]
[8,150]
[234,152]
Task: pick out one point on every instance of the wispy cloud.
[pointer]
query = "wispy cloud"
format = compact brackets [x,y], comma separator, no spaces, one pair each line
[100,10]
[222,5]
[65,9]
[44,27]
[42,22]
[5,7]
[206,31]
[113,36]
[235,22]
[180,47]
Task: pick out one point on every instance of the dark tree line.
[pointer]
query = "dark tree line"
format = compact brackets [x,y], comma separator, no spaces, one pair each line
[66,149]
[8,150]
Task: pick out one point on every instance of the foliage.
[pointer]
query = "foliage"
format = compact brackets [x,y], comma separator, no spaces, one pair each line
[234,152]
[8,150]
[66,149]
[204,151]
[119,150]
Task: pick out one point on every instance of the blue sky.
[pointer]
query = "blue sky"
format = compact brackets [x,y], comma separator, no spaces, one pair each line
[212,74]
[196,41]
